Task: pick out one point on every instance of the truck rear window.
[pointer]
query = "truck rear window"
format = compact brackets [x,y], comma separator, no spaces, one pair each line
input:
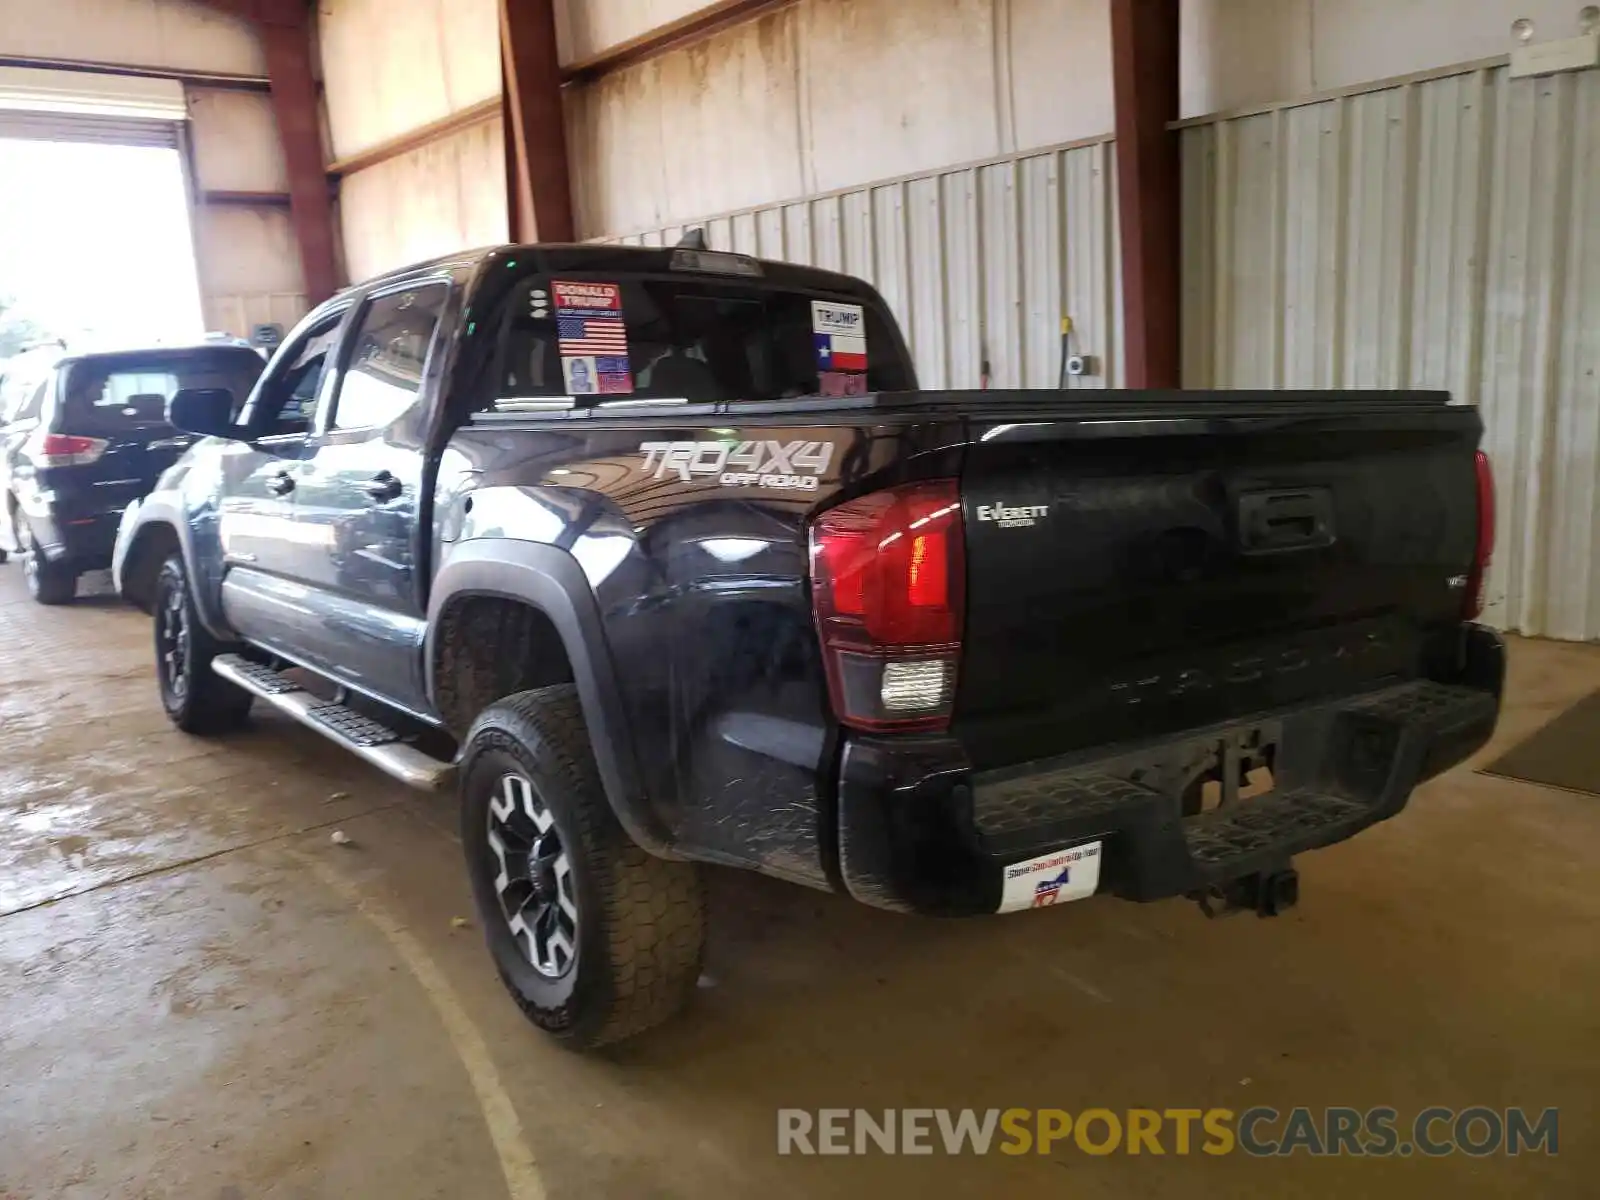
[113,394]
[698,340]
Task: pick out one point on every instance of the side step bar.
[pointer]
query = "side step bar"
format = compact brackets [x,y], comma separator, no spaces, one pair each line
[356,732]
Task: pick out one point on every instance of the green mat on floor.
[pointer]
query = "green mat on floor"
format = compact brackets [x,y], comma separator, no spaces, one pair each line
[1563,754]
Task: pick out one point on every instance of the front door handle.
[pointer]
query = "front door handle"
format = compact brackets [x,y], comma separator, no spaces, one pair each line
[281,484]
[382,486]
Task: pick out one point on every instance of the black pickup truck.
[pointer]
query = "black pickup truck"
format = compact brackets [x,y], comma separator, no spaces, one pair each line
[661,558]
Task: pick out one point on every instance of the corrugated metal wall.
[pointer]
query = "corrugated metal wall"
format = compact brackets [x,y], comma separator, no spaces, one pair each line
[447,195]
[1440,234]
[177,34]
[756,114]
[980,261]
[391,67]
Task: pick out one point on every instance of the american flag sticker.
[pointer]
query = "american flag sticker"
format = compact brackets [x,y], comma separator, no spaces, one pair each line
[592,337]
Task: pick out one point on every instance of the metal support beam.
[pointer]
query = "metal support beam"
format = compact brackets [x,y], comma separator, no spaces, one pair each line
[245,199]
[538,182]
[294,103]
[221,81]
[284,27]
[422,135]
[1144,73]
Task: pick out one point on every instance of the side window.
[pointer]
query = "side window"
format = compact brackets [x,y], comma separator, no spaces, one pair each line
[391,349]
[142,395]
[286,401]
[123,387]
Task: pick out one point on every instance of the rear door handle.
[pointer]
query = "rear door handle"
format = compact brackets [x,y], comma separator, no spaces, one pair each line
[383,486]
[281,484]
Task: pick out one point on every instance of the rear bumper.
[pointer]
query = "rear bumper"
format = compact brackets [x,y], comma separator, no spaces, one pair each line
[83,539]
[920,832]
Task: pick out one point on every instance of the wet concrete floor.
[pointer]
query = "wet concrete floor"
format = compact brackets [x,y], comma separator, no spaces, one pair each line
[201,996]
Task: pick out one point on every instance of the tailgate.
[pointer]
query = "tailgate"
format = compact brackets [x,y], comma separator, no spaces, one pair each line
[131,458]
[1140,569]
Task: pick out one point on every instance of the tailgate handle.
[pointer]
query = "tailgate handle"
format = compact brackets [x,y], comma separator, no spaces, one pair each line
[1277,522]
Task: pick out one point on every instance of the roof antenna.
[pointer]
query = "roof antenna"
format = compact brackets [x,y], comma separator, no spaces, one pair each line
[693,239]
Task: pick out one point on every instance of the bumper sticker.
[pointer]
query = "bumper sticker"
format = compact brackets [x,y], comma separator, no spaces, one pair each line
[592,338]
[589,375]
[1053,878]
[840,333]
[842,383]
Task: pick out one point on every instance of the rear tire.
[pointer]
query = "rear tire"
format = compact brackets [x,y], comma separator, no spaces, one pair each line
[196,698]
[48,582]
[595,939]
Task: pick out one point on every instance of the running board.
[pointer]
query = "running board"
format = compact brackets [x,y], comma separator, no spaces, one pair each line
[356,732]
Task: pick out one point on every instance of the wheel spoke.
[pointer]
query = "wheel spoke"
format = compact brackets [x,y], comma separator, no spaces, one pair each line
[533,880]
[504,801]
[173,629]
[497,846]
[564,893]
[559,949]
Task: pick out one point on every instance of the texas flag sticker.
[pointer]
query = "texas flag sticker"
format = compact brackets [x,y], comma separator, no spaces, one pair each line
[840,333]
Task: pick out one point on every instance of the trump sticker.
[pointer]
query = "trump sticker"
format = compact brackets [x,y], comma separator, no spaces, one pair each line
[840,333]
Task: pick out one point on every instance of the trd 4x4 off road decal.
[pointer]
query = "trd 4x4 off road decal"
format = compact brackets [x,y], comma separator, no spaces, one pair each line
[794,465]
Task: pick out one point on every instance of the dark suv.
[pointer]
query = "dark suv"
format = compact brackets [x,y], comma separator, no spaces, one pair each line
[90,438]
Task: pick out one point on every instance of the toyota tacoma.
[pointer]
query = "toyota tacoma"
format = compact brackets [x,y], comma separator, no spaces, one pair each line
[659,558]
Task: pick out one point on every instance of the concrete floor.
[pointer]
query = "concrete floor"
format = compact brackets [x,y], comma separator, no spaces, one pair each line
[202,997]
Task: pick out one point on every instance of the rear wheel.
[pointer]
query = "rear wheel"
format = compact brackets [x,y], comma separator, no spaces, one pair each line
[595,939]
[196,698]
[48,582]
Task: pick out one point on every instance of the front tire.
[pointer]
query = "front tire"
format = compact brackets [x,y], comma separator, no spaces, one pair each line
[595,939]
[196,698]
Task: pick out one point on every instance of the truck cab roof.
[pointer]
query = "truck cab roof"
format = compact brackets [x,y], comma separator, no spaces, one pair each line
[545,257]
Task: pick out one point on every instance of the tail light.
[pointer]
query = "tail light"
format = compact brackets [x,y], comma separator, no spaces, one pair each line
[65,450]
[1484,550]
[887,583]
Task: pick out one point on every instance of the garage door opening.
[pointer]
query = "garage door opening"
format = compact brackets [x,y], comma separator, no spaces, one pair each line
[95,246]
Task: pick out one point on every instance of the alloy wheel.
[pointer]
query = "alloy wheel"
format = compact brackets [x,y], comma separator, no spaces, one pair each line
[534,884]
[175,643]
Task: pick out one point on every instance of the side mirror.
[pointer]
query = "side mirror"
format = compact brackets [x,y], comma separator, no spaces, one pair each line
[206,411]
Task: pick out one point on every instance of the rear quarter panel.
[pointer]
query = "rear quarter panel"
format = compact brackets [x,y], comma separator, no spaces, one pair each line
[702,585]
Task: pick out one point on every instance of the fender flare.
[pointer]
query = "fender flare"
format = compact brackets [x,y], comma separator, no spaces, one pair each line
[550,580]
[167,508]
